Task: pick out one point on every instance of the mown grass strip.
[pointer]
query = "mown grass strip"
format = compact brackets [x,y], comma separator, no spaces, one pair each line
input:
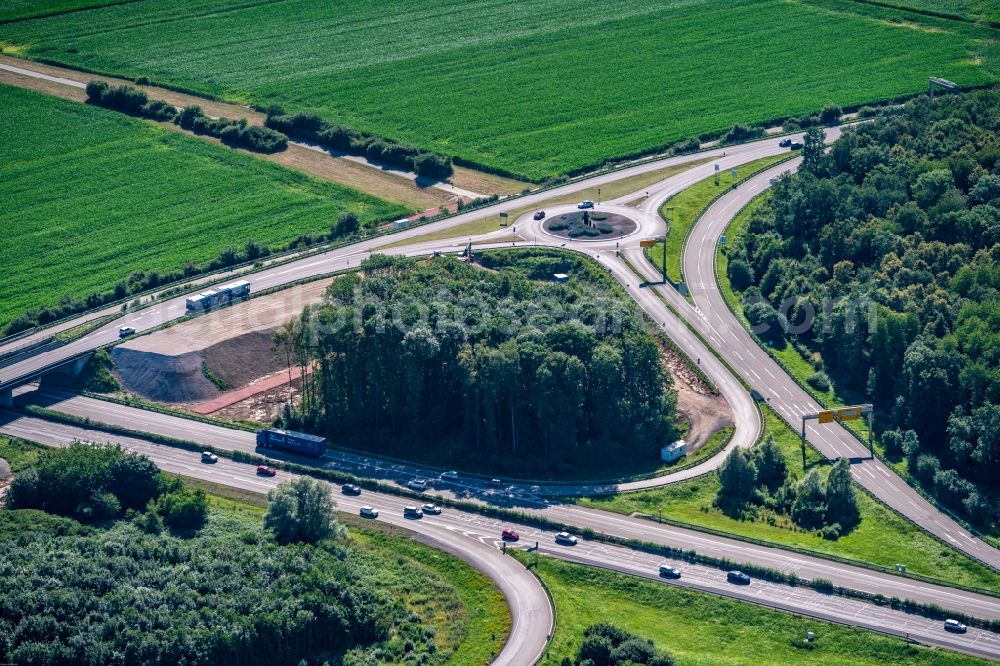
[685,208]
[701,628]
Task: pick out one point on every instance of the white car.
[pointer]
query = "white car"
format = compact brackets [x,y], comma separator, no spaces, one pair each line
[417,484]
[126,331]
[209,457]
[566,539]
[587,203]
[451,475]
[368,512]
[431,509]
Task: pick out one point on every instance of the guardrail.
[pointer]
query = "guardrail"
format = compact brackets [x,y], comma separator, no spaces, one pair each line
[25,378]
[16,355]
[528,517]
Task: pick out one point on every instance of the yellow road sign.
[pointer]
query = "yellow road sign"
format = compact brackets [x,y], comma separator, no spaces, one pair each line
[849,414]
[826,416]
[647,243]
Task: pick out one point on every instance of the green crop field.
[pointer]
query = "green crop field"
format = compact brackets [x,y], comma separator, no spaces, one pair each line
[535,88]
[14,10]
[87,196]
[969,9]
[700,629]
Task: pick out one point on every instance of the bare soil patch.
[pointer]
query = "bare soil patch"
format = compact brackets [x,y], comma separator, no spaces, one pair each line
[258,314]
[234,343]
[699,404]
[263,407]
[239,361]
[174,378]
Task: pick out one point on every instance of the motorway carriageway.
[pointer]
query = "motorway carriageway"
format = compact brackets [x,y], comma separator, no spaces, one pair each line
[471,535]
[516,497]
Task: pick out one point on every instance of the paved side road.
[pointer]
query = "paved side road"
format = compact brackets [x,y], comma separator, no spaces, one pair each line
[477,537]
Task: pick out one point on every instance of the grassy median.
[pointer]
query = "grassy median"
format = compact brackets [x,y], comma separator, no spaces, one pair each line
[684,208]
[702,629]
[882,538]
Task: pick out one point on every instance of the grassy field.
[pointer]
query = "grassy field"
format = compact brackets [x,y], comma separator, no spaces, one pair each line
[19,453]
[89,195]
[571,94]
[14,10]
[883,538]
[974,10]
[683,208]
[700,629]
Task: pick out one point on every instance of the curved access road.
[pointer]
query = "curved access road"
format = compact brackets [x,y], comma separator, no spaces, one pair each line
[713,318]
[532,614]
[715,324]
[476,538]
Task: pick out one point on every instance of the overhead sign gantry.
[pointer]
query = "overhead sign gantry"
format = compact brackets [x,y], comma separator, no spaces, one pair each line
[852,413]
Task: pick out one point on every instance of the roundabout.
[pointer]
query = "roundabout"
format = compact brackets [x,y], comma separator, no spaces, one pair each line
[604,225]
[589,225]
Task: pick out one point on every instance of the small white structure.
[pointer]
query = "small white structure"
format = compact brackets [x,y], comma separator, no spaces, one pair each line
[560,277]
[675,451]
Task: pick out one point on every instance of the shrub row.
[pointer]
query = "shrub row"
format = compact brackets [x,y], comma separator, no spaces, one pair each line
[311,128]
[231,132]
[128,100]
[236,133]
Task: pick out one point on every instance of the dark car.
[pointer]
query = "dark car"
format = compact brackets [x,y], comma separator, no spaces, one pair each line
[412,512]
[540,215]
[955,626]
[795,145]
[738,577]
[266,470]
[785,143]
[494,483]
[350,489]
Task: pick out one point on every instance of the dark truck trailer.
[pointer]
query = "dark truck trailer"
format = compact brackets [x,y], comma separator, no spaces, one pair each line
[297,442]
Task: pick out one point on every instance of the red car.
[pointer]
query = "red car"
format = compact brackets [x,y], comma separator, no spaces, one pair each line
[509,535]
[540,215]
[264,470]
